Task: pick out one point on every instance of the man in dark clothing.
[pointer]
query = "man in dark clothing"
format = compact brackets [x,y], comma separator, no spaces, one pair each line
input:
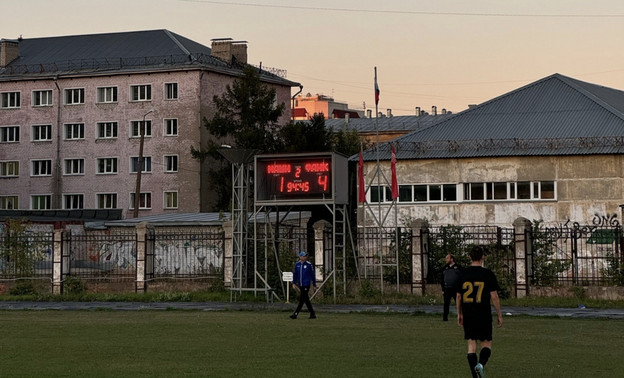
[303,277]
[450,275]
[476,292]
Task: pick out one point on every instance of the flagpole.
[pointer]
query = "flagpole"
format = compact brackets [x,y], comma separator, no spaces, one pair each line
[380,192]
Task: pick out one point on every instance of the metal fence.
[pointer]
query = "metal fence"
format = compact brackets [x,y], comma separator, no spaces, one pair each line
[378,253]
[99,255]
[189,254]
[26,255]
[582,254]
[458,240]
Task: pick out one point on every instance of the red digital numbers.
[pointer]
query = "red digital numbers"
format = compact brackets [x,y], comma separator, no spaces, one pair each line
[300,177]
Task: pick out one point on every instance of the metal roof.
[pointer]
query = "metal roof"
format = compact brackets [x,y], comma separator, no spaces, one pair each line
[123,51]
[386,124]
[201,219]
[556,115]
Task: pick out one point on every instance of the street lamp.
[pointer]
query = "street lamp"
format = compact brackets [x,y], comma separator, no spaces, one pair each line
[137,191]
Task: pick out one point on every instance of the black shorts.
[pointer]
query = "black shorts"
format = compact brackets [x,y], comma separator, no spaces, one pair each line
[478,328]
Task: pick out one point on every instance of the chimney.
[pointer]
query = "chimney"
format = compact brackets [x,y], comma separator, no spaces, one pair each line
[229,51]
[434,110]
[369,113]
[239,52]
[389,112]
[347,118]
[443,110]
[418,111]
[9,51]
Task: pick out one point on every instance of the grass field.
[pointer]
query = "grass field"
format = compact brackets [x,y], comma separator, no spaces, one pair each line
[269,344]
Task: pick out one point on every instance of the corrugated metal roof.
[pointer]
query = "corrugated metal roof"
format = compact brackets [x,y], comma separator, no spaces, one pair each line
[201,219]
[114,52]
[394,123]
[556,115]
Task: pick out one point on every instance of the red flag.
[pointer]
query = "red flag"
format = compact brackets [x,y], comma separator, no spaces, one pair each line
[394,186]
[376,89]
[361,189]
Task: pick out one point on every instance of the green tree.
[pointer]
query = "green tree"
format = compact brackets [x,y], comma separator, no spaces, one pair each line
[545,267]
[245,117]
[302,136]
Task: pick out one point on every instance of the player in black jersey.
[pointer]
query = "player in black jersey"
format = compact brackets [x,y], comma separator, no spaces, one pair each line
[477,290]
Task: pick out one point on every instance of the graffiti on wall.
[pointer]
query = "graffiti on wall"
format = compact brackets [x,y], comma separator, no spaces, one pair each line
[188,257]
[570,229]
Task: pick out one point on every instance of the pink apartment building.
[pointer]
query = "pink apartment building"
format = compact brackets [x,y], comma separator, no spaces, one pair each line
[71,110]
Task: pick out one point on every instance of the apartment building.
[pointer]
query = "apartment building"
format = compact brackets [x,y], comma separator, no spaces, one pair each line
[72,109]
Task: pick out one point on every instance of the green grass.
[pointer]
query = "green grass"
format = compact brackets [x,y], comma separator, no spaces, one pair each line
[263,344]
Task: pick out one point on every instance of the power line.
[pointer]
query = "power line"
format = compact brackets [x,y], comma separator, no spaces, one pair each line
[407,12]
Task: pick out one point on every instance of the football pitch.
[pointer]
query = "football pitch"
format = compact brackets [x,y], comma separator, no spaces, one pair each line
[269,344]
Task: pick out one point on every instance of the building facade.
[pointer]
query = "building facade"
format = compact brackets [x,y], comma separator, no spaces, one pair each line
[72,109]
[551,151]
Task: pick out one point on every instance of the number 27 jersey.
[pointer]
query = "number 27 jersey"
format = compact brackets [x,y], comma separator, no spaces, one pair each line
[475,285]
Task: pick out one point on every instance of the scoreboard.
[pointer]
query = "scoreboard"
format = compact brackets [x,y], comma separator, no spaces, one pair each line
[308,178]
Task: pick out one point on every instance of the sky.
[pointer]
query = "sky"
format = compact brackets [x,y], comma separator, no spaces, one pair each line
[443,53]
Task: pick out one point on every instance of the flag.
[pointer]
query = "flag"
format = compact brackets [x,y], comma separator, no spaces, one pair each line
[376,89]
[361,188]
[394,186]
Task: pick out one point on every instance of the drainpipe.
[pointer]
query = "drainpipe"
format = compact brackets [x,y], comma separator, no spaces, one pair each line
[58,186]
[292,110]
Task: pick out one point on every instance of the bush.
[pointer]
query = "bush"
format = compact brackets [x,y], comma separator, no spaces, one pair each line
[24,288]
[73,286]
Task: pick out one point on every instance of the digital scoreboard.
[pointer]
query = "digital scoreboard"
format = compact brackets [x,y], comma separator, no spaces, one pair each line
[300,178]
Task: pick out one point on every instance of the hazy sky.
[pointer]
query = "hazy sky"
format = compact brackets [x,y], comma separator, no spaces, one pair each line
[447,53]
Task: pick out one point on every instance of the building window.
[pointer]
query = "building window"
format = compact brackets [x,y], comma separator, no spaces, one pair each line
[547,189]
[502,191]
[107,94]
[74,96]
[145,201]
[147,164]
[74,166]
[135,129]
[41,168]
[10,100]
[9,134]
[171,163]
[171,91]
[141,92]
[41,202]
[9,168]
[42,98]
[42,133]
[171,127]
[73,201]
[106,165]
[107,130]
[171,200]
[74,131]
[8,202]
[107,201]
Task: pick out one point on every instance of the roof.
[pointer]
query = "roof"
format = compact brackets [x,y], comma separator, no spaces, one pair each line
[122,51]
[200,219]
[556,115]
[386,124]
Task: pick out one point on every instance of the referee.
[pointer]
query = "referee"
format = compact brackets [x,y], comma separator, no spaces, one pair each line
[476,292]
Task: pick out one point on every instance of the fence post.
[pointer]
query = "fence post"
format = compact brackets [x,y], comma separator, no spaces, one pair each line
[141,252]
[419,263]
[319,250]
[228,253]
[57,262]
[522,243]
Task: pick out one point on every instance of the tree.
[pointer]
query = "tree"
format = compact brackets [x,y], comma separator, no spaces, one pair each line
[314,136]
[246,117]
